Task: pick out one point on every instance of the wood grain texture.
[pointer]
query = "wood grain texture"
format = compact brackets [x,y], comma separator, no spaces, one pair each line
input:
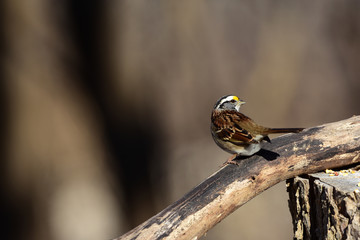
[324,207]
[315,149]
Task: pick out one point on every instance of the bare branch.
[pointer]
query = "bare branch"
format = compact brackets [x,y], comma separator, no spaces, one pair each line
[328,146]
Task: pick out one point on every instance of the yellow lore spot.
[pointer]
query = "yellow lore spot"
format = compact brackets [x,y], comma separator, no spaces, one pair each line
[236,98]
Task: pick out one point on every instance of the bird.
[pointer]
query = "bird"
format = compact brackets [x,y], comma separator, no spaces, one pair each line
[236,133]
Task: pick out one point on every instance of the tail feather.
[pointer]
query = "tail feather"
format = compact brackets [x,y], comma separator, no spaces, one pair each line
[284,130]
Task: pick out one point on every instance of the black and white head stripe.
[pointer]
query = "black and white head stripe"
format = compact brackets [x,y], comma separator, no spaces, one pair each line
[220,104]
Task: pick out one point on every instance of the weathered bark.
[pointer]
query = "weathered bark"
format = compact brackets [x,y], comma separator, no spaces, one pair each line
[325,207]
[328,146]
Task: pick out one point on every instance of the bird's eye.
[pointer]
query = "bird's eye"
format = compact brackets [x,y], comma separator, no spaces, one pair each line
[232,101]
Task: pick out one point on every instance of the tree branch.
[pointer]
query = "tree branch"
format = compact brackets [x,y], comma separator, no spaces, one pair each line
[328,146]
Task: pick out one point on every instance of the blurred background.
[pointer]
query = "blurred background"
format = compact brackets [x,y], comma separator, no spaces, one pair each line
[105,105]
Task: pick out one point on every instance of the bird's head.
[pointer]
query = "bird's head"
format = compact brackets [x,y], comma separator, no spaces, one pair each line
[228,102]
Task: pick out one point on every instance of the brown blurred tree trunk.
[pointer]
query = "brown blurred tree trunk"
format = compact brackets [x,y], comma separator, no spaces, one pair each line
[56,178]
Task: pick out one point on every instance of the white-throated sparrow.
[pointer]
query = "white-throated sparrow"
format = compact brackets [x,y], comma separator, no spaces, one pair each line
[236,133]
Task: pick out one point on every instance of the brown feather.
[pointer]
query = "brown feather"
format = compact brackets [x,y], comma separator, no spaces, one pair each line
[284,130]
[231,125]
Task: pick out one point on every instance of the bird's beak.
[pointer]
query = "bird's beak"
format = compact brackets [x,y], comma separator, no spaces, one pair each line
[241,102]
[238,104]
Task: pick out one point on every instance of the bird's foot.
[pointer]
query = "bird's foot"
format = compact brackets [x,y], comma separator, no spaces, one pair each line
[231,160]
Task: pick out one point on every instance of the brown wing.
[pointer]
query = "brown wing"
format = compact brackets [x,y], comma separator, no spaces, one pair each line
[231,126]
